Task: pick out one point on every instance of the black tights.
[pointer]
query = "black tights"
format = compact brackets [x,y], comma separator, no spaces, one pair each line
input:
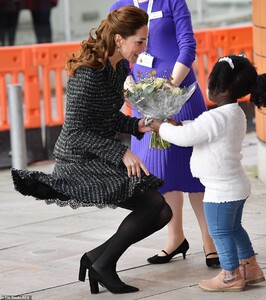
[149,213]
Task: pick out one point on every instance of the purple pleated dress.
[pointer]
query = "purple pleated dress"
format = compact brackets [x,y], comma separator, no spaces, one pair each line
[171,40]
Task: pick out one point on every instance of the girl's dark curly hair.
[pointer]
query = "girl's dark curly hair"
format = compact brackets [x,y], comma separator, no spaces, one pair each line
[239,79]
[100,44]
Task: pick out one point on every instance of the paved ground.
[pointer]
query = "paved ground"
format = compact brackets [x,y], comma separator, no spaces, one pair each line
[40,247]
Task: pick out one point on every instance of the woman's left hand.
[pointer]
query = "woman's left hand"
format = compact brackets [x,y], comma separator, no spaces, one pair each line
[155,125]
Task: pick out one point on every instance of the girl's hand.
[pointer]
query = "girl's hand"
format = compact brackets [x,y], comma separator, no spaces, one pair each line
[155,125]
[175,123]
[133,164]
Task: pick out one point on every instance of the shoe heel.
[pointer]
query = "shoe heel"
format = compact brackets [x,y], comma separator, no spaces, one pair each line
[184,254]
[82,273]
[94,286]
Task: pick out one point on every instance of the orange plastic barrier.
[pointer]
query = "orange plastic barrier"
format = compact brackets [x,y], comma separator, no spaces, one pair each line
[237,40]
[259,31]
[220,42]
[16,66]
[206,56]
[52,58]
[261,123]
[16,62]
[127,109]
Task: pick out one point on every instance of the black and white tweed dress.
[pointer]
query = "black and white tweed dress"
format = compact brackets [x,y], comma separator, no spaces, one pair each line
[89,169]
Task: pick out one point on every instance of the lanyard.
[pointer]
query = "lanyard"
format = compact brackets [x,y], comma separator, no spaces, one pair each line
[150,5]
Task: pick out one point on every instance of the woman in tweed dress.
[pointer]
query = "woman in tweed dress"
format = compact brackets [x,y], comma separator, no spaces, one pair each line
[92,167]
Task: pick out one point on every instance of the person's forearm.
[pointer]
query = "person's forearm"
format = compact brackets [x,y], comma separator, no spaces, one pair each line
[180,72]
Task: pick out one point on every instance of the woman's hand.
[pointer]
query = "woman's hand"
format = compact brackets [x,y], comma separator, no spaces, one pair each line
[133,164]
[142,127]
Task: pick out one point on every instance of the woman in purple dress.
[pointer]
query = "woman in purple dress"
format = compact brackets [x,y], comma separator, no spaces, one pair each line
[171,52]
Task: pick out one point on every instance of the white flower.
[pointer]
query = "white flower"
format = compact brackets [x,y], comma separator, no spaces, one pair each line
[158,82]
[143,86]
[176,91]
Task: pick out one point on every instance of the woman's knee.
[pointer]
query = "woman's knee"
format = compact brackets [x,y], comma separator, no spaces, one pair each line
[154,199]
[157,204]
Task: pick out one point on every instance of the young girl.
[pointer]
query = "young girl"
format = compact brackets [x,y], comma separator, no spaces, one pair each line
[217,137]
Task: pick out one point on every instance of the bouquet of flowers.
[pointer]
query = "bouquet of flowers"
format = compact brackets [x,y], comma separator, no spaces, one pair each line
[156,97]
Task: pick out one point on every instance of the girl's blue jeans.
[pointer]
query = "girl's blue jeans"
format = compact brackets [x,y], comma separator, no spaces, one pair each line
[231,240]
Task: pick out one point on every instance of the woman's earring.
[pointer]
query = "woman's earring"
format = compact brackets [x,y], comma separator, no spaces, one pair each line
[118,47]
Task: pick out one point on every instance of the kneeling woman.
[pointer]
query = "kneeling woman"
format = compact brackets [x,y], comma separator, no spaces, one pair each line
[92,167]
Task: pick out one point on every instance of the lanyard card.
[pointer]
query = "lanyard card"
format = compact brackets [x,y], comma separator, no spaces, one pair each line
[145,59]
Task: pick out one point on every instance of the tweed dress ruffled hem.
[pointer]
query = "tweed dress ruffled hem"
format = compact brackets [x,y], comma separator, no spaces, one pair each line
[72,192]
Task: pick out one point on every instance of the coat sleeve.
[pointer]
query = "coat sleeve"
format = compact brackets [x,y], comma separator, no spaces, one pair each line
[129,125]
[206,128]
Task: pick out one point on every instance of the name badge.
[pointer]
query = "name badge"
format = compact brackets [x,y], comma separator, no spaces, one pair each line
[145,59]
[156,15]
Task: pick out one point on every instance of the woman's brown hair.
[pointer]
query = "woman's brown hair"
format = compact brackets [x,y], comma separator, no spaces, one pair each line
[100,44]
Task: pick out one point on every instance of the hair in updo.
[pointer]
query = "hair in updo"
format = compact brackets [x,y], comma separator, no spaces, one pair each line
[100,44]
[237,76]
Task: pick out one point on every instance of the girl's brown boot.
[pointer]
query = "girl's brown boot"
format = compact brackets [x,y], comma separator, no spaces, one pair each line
[251,271]
[225,281]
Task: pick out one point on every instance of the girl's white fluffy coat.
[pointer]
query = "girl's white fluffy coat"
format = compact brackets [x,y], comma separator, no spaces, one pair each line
[216,136]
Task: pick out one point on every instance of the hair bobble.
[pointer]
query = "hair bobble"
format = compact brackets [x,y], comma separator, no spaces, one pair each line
[228,60]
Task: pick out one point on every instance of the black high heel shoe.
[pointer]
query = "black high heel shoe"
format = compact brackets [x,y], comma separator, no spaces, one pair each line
[156,259]
[85,264]
[121,288]
[213,262]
